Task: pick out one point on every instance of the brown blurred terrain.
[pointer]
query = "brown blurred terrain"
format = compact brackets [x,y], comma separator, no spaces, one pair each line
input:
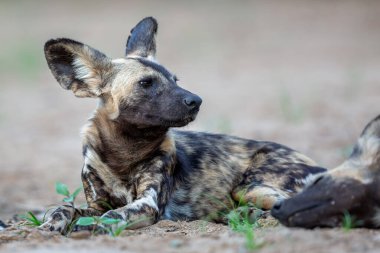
[302,73]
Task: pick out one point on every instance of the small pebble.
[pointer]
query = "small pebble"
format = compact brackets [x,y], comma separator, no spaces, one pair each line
[176,243]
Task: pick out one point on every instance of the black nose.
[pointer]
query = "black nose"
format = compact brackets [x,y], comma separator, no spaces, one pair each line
[192,101]
[276,210]
[277,205]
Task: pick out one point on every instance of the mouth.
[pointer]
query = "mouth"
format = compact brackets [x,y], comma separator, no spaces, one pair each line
[303,220]
[310,216]
[302,214]
[181,122]
[167,122]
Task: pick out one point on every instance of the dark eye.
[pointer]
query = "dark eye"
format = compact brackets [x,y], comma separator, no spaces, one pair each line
[146,83]
[317,180]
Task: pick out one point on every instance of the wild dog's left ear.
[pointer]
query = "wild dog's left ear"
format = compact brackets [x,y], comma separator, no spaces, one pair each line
[141,41]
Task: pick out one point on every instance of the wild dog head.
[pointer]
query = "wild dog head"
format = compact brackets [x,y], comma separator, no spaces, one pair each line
[352,188]
[135,89]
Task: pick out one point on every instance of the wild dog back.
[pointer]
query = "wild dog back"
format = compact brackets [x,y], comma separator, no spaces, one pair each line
[213,171]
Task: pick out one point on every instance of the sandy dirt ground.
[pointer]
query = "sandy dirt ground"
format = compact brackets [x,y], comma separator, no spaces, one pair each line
[302,73]
[196,236]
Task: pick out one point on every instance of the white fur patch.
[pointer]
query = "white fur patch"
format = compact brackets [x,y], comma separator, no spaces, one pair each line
[119,61]
[85,170]
[85,73]
[93,191]
[370,147]
[309,180]
[81,70]
[92,159]
[150,199]
[149,58]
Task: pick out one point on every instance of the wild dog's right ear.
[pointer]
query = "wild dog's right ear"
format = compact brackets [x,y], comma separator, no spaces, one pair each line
[141,41]
[78,67]
[367,148]
[372,129]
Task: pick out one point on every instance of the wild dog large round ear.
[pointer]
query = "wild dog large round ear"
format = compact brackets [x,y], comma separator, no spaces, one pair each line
[141,42]
[78,67]
[367,149]
[372,128]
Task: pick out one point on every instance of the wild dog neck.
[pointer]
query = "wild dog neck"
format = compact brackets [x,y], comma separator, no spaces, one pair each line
[122,145]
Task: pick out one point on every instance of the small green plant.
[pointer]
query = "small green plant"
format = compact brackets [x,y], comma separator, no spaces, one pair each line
[240,221]
[113,227]
[241,218]
[32,220]
[348,221]
[62,189]
[114,231]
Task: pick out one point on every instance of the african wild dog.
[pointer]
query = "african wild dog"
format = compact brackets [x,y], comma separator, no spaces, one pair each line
[352,187]
[147,171]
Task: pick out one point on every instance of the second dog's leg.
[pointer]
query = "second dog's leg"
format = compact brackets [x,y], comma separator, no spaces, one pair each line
[263,197]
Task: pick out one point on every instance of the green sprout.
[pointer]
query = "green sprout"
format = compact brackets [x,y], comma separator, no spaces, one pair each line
[348,221]
[112,226]
[32,220]
[239,218]
[240,221]
[62,189]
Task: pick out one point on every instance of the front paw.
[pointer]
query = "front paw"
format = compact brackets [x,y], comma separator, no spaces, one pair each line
[54,225]
[59,220]
[113,221]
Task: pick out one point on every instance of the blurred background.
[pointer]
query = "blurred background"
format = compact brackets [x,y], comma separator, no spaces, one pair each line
[302,73]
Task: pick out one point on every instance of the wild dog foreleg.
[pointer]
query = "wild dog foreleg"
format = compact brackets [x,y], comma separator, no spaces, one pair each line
[61,218]
[147,206]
